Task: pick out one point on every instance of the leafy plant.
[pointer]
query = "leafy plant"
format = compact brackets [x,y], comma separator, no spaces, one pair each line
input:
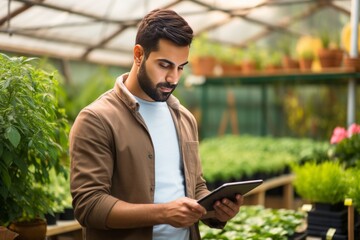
[323,183]
[325,38]
[257,222]
[307,55]
[32,132]
[235,157]
[346,146]
[81,94]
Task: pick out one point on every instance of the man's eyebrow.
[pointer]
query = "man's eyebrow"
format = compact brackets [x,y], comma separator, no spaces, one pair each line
[173,64]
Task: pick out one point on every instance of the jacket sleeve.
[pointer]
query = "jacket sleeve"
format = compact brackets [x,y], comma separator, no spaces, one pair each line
[91,170]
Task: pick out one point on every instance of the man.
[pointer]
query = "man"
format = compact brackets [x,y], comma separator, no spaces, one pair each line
[135,167]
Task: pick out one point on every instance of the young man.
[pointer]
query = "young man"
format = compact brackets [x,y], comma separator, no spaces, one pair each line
[135,167]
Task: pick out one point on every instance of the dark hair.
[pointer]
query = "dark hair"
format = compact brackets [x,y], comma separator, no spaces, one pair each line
[163,24]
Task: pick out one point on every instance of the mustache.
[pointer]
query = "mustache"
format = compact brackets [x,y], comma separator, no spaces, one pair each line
[166,85]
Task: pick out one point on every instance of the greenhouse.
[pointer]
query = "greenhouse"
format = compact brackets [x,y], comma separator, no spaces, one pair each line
[179,119]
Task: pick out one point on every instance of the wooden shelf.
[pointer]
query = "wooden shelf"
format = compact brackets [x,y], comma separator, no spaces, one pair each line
[62,227]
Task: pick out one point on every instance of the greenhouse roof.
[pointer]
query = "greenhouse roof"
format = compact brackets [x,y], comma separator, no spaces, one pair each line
[104,31]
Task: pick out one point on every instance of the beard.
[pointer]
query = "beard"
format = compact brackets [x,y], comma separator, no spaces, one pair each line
[153,91]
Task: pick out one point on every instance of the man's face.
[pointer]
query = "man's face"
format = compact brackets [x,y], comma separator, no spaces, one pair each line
[159,74]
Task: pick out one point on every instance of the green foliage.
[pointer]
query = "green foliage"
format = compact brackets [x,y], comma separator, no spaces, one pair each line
[235,157]
[201,46]
[286,45]
[257,222]
[254,54]
[325,39]
[347,151]
[307,55]
[324,183]
[273,58]
[80,95]
[33,138]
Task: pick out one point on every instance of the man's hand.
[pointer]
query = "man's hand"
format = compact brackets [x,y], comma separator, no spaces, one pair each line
[183,212]
[226,209]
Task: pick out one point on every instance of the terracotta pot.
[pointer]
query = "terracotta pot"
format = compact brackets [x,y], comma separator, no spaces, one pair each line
[248,66]
[305,64]
[204,66]
[330,57]
[32,230]
[289,63]
[231,69]
[272,68]
[353,63]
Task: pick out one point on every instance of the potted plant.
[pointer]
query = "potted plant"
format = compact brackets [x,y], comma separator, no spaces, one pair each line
[325,185]
[350,61]
[306,59]
[33,132]
[346,145]
[287,48]
[203,56]
[272,61]
[252,59]
[330,55]
[306,48]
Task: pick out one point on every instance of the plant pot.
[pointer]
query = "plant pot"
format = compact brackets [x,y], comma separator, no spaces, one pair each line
[353,63]
[305,64]
[289,64]
[231,69]
[30,230]
[248,66]
[325,216]
[330,57]
[272,68]
[67,214]
[203,66]
[52,219]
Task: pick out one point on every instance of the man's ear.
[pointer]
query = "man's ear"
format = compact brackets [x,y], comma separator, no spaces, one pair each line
[138,54]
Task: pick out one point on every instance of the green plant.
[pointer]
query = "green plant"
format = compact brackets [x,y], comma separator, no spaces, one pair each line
[257,222]
[33,133]
[235,157]
[201,46]
[286,45]
[273,58]
[346,146]
[307,55]
[325,38]
[81,94]
[255,55]
[325,182]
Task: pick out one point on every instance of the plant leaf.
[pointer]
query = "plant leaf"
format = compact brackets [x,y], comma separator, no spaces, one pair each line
[14,136]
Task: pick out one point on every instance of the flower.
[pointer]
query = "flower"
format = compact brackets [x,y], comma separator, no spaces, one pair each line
[339,134]
[346,145]
[353,129]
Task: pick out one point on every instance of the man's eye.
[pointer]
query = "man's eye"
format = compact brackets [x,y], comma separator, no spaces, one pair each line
[181,68]
[164,65]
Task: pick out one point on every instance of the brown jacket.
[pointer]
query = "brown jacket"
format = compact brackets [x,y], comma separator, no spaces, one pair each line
[112,157]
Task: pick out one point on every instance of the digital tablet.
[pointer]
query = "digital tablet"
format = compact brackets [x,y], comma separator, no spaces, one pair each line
[228,190]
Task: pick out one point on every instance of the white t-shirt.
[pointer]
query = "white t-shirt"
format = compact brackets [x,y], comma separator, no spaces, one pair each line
[169,179]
